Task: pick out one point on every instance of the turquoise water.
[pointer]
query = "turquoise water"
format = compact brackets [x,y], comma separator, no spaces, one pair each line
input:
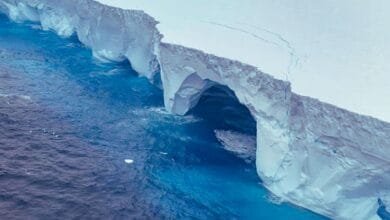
[68,122]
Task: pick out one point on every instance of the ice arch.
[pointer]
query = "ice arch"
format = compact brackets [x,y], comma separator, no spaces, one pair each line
[307,151]
[189,93]
[220,106]
[186,74]
[310,153]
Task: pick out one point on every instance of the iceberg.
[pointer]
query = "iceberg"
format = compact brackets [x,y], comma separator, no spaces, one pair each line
[335,51]
[310,153]
[119,36]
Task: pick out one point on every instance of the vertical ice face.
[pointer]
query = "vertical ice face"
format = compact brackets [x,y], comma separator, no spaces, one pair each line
[315,155]
[112,34]
[187,73]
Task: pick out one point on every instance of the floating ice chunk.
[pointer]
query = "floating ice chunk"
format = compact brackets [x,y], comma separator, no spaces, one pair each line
[129,161]
[244,146]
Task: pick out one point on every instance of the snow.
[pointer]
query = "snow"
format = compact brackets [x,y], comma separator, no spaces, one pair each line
[332,50]
[310,153]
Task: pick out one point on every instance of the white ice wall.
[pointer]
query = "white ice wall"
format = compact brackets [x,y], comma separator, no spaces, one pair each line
[113,34]
[313,154]
[313,42]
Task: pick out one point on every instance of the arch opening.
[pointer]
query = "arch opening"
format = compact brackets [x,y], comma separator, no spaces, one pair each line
[220,106]
[231,121]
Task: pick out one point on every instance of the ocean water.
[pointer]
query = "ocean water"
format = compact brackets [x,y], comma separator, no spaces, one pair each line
[68,123]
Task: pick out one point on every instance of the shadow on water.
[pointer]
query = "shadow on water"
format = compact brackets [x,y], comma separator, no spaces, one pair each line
[382,211]
[86,117]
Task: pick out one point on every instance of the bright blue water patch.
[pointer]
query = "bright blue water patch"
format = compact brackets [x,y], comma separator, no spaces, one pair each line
[68,122]
[382,211]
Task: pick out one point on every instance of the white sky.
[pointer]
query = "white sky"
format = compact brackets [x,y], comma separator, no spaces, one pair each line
[341,47]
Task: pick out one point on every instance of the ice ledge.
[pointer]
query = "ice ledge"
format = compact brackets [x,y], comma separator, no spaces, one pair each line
[112,33]
[313,154]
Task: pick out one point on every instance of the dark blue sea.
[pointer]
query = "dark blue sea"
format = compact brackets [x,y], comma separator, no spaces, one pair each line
[68,123]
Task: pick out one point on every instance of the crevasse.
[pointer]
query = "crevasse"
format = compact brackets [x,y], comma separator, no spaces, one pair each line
[313,154]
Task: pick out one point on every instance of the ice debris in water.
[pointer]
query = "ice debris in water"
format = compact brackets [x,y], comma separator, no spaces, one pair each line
[244,146]
[129,161]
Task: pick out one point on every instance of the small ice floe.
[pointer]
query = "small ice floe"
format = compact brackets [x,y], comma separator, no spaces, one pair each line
[129,161]
[163,153]
[243,145]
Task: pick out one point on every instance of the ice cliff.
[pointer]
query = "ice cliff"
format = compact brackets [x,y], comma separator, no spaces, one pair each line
[313,154]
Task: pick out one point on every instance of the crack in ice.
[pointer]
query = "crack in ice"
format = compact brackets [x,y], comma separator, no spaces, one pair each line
[294,59]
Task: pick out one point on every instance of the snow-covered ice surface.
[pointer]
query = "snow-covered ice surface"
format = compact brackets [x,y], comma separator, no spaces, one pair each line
[310,153]
[332,50]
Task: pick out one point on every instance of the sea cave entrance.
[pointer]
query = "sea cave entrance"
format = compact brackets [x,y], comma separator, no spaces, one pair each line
[219,105]
[232,122]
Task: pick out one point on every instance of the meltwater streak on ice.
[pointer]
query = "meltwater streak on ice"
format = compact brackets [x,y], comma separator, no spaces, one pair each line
[63,150]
